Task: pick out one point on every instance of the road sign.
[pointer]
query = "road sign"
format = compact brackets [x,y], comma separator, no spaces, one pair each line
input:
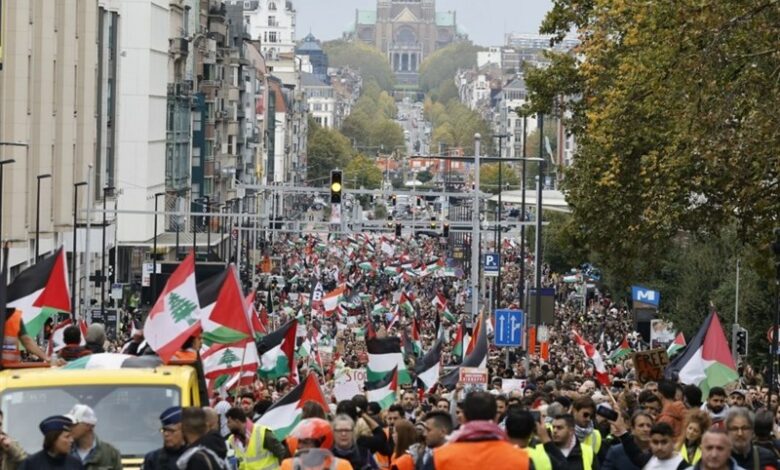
[492,264]
[509,328]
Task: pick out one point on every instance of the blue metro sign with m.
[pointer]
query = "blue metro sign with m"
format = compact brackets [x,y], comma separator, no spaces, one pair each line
[645,296]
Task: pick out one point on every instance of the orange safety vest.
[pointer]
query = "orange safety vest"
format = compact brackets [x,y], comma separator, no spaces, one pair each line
[383,461]
[336,464]
[185,355]
[13,325]
[404,462]
[494,455]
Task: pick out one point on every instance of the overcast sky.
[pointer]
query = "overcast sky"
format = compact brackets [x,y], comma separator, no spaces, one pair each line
[485,21]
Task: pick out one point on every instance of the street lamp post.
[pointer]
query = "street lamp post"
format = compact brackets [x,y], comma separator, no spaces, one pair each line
[522,219]
[38,215]
[75,240]
[538,234]
[103,274]
[153,278]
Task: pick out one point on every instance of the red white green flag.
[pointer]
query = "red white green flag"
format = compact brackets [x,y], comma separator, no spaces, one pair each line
[622,351]
[677,345]
[175,317]
[41,291]
[223,310]
[277,352]
[707,361]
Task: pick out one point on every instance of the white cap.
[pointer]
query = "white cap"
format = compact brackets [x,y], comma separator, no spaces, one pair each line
[82,414]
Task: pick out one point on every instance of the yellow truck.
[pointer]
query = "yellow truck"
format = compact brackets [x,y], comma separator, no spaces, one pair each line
[127,398]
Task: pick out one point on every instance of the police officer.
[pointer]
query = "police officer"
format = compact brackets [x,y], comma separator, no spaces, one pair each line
[173,442]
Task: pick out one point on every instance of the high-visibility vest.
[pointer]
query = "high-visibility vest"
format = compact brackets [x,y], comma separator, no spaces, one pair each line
[587,456]
[539,457]
[255,456]
[185,355]
[696,454]
[480,454]
[13,325]
[593,440]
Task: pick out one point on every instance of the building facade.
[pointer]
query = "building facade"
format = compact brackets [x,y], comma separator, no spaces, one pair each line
[272,22]
[58,107]
[406,31]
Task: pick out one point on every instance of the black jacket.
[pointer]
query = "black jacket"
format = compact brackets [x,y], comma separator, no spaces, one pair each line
[43,461]
[214,441]
[573,461]
[209,459]
[765,458]
[162,459]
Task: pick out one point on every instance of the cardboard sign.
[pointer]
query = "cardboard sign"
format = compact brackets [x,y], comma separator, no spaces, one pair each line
[511,385]
[473,379]
[348,383]
[650,365]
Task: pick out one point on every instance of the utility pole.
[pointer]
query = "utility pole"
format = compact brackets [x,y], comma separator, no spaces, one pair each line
[475,230]
[538,235]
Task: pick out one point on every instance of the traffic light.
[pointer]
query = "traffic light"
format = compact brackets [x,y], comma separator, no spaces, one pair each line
[335,186]
[741,339]
[445,230]
[433,223]
[419,201]
[397,230]
[394,199]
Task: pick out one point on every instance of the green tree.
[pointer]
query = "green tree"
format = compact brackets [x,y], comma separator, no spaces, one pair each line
[327,149]
[675,134]
[371,63]
[442,65]
[424,176]
[488,178]
[363,172]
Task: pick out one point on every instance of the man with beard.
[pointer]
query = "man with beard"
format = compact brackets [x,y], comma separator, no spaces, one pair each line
[739,427]
[568,448]
[716,406]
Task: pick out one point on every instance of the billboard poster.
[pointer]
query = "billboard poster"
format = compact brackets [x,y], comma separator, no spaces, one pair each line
[662,333]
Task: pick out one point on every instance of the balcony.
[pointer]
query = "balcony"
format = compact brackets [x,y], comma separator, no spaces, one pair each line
[178,46]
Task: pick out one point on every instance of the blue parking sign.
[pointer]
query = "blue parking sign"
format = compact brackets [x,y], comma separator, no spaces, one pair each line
[492,264]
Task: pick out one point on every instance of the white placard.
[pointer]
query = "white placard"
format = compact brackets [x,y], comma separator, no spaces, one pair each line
[348,383]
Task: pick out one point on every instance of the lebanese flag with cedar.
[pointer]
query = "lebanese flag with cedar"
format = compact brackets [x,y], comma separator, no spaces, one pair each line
[175,317]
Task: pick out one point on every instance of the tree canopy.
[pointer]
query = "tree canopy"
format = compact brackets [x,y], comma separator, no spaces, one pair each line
[373,66]
[361,171]
[327,149]
[488,178]
[370,126]
[673,105]
[442,65]
[455,124]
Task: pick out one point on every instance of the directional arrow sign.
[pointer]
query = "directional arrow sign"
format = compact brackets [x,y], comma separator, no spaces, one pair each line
[509,328]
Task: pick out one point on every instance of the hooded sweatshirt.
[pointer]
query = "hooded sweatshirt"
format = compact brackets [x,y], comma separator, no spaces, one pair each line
[673,414]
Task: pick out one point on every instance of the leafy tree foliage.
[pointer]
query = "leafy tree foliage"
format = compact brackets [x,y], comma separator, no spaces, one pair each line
[442,65]
[488,178]
[677,129]
[455,124]
[373,66]
[370,126]
[361,171]
[327,149]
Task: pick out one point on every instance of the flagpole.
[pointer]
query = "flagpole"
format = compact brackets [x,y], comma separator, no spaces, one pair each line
[240,374]
[3,292]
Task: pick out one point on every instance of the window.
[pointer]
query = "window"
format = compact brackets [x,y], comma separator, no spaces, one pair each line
[272,6]
[272,21]
[272,37]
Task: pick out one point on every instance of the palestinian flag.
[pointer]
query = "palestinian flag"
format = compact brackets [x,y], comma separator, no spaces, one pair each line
[595,356]
[472,343]
[227,359]
[621,352]
[41,291]
[330,301]
[259,328]
[458,349]
[111,361]
[677,345]
[706,361]
[384,354]
[175,317]
[223,310]
[57,341]
[370,331]
[477,358]
[429,368]
[277,352]
[285,414]
[416,343]
[384,390]
[406,305]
